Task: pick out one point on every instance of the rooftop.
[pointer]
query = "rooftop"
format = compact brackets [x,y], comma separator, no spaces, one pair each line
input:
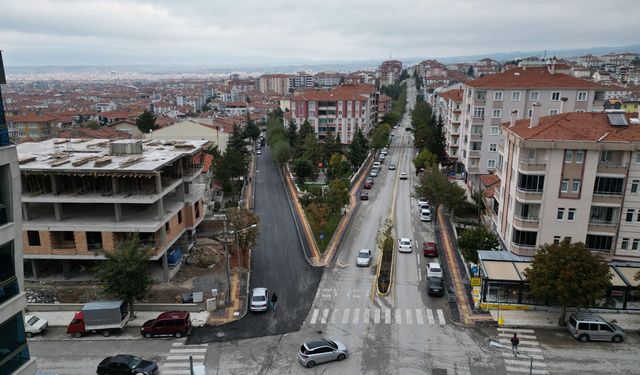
[529,78]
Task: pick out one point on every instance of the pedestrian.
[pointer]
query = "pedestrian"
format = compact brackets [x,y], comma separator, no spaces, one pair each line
[274,300]
[514,345]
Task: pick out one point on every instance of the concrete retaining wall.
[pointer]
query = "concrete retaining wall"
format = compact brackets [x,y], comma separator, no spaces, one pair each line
[191,307]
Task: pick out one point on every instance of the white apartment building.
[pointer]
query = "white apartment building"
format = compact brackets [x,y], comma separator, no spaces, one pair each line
[279,83]
[571,175]
[494,99]
[449,108]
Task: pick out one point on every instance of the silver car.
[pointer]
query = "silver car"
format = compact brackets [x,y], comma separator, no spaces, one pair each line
[364,258]
[319,351]
[585,327]
[259,299]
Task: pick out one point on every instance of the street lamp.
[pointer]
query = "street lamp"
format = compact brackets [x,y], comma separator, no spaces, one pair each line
[497,345]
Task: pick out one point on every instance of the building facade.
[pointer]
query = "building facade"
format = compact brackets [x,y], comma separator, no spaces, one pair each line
[279,83]
[449,108]
[389,72]
[31,126]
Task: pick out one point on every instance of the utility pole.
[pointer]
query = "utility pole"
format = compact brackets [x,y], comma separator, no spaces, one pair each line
[226,256]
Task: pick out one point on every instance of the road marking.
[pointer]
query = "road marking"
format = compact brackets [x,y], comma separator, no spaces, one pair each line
[183,357]
[535,356]
[387,316]
[441,317]
[365,318]
[176,364]
[314,316]
[430,317]
[333,316]
[515,330]
[418,269]
[325,315]
[510,335]
[176,372]
[376,316]
[419,317]
[409,317]
[193,350]
[522,342]
[345,316]
[398,315]
[356,315]
[524,362]
[526,370]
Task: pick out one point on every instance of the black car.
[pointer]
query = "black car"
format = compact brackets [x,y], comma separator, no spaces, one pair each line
[364,196]
[122,364]
[435,286]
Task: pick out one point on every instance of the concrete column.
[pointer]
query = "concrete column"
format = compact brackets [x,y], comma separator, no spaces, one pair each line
[57,210]
[180,191]
[186,187]
[54,185]
[165,266]
[118,211]
[163,235]
[114,184]
[25,211]
[158,183]
[66,269]
[34,269]
[160,209]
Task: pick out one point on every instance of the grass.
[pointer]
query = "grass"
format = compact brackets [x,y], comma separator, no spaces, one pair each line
[332,224]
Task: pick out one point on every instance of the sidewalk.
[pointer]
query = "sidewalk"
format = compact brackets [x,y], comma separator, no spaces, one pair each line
[549,318]
[63,318]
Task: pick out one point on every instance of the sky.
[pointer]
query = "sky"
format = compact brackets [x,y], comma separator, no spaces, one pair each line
[256,32]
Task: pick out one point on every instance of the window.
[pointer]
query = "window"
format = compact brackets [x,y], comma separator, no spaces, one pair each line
[634,186]
[599,243]
[568,156]
[515,96]
[491,163]
[571,214]
[630,214]
[493,147]
[556,240]
[560,214]
[634,245]
[497,113]
[478,112]
[564,185]
[481,95]
[605,155]
[179,217]
[516,112]
[166,226]
[524,238]
[625,244]
[496,129]
[575,186]
[555,96]
[497,95]
[530,113]
[531,153]
[608,185]
[33,238]
[579,156]
[568,239]
[535,95]
[530,182]
[582,96]
[638,217]
[638,157]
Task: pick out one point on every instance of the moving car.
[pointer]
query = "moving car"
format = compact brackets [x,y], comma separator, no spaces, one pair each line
[367,184]
[392,166]
[403,175]
[434,270]
[364,196]
[259,299]
[585,327]
[404,245]
[435,286]
[34,325]
[171,323]
[319,351]
[425,214]
[364,258]
[122,364]
[430,249]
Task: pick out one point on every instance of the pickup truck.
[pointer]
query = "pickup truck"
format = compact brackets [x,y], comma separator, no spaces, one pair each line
[99,316]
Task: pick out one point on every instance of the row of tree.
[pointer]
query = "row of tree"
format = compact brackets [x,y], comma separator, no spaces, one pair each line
[398,94]
[428,131]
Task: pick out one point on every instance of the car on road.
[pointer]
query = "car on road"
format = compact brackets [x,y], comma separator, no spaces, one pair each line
[404,245]
[369,179]
[435,286]
[259,152]
[381,158]
[259,299]
[368,184]
[403,175]
[409,129]
[170,323]
[315,352]
[384,151]
[393,135]
[364,258]
[586,327]
[430,249]
[374,172]
[34,325]
[392,166]
[364,196]
[423,203]
[122,364]
[425,214]
[376,165]
[434,270]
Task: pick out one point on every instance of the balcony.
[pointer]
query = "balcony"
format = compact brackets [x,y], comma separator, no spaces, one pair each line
[528,195]
[607,198]
[474,153]
[612,167]
[523,249]
[476,137]
[525,222]
[603,226]
[532,165]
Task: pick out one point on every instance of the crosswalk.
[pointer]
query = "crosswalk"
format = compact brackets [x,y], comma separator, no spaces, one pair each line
[529,349]
[177,361]
[408,316]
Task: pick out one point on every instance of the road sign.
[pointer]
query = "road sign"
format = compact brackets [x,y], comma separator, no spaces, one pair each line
[322,235]
[474,270]
[475,281]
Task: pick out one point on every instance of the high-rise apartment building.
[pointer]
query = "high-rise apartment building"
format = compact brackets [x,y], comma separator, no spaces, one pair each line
[389,72]
[571,175]
[449,108]
[279,83]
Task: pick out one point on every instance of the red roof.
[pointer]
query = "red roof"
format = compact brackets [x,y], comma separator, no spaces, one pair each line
[31,117]
[455,95]
[344,92]
[524,78]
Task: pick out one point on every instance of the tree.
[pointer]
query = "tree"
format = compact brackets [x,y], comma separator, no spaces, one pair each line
[474,239]
[125,272]
[478,199]
[425,159]
[358,148]
[240,219]
[330,145]
[292,133]
[439,140]
[338,166]
[381,136]
[568,274]
[337,195]
[93,124]
[305,130]
[303,169]
[252,130]
[233,165]
[281,152]
[237,140]
[635,61]
[312,151]
[471,72]
[146,122]
[437,189]
[318,213]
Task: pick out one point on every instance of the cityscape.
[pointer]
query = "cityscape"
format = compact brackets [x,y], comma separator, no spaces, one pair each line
[264,188]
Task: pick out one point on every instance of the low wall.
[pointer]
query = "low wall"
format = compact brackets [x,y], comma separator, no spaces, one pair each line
[191,307]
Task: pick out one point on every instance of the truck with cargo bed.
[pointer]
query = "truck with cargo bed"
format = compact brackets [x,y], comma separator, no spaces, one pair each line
[99,317]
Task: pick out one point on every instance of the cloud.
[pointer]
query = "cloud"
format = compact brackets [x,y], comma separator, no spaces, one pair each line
[243,31]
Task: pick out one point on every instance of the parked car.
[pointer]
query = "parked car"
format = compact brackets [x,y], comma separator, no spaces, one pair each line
[34,325]
[171,323]
[319,351]
[364,195]
[425,214]
[374,172]
[435,286]
[585,327]
[384,151]
[259,299]
[409,129]
[122,364]
[367,184]
[259,152]
[381,158]
[99,316]
[434,270]
[403,175]
[430,249]
[423,203]
[369,179]
[392,166]
[404,245]
[376,164]
[364,258]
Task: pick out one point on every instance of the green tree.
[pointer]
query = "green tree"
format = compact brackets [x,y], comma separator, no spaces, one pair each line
[146,122]
[636,61]
[438,190]
[318,213]
[303,169]
[358,149]
[281,152]
[241,219]
[425,159]
[330,145]
[305,130]
[381,136]
[237,140]
[93,124]
[233,165]
[338,166]
[568,274]
[125,272]
[474,239]
[292,133]
[337,195]
[439,142]
[471,72]
[252,130]
[478,200]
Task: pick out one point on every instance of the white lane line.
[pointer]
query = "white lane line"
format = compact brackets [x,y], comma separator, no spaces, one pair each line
[188,346]
[192,350]
[526,370]
[176,372]
[376,316]
[430,317]
[387,316]
[398,315]
[441,317]
[522,342]
[365,317]
[535,356]
[179,364]
[325,315]
[183,357]
[333,316]
[314,316]
[419,317]
[524,362]
[356,315]
[345,316]
[510,335]
[515,330]
[409,316]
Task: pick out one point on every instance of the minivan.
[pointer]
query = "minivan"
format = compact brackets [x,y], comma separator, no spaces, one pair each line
[171,323]
[585,327]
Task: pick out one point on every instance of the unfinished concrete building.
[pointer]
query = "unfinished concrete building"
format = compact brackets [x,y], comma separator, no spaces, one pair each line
[81,197]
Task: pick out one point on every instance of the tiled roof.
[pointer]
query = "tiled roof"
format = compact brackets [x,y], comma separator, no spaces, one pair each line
[345,92]
[532,78]
[31,117]
[455,95]
[489,179]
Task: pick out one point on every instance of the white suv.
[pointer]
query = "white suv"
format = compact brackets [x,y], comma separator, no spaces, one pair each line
[425,214]
[434,270]
[404,245]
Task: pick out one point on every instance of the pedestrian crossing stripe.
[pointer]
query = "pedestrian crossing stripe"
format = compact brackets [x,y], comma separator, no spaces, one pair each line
[177,361]
[530,356]
[377,316]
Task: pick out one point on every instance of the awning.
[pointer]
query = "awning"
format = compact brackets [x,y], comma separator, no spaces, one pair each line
[616,280]
[629,273]
[520,266]
[504,271]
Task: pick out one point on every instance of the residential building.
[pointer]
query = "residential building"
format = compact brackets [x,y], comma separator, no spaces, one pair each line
[494,99]
[194,129]
[570,175]
[384,106]
[589,61]
[81,197]
[31,126]
[279,83]
[450,110]
[389,72]
[14,356]
[302,79]
[324,79]
[339,110]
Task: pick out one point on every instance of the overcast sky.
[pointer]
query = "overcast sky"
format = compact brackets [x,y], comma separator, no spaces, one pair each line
[254,32]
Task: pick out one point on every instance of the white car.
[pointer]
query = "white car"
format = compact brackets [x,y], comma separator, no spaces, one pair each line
[434,270]
[384,151]
[425,214]
[423,203]
[364,258]
[376,164]
[404,245]
[259,299]
[259,152]
[403,175]
[374,172]
[34,325]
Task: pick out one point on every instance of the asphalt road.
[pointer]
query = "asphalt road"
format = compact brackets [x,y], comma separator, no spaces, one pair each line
[278,264]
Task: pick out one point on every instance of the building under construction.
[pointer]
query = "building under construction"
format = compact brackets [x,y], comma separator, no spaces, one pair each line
[82,197]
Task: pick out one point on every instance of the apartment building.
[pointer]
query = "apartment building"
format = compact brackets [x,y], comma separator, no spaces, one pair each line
[449,108]
[571,175]
[32,126]
[325,79]
[279,83]
[389,72]
[14,356]
[301,79]
[339,110]
[494,99]
[80,198]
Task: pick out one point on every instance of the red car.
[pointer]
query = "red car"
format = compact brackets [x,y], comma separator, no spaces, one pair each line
[430,249]
[368,184]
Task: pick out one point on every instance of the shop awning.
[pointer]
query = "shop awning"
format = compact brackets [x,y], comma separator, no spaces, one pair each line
[629,273]
[504,271]
[520,266]
[616,280]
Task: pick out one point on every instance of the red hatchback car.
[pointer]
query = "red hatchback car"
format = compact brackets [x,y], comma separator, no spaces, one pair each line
[368,184]
[430,249]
